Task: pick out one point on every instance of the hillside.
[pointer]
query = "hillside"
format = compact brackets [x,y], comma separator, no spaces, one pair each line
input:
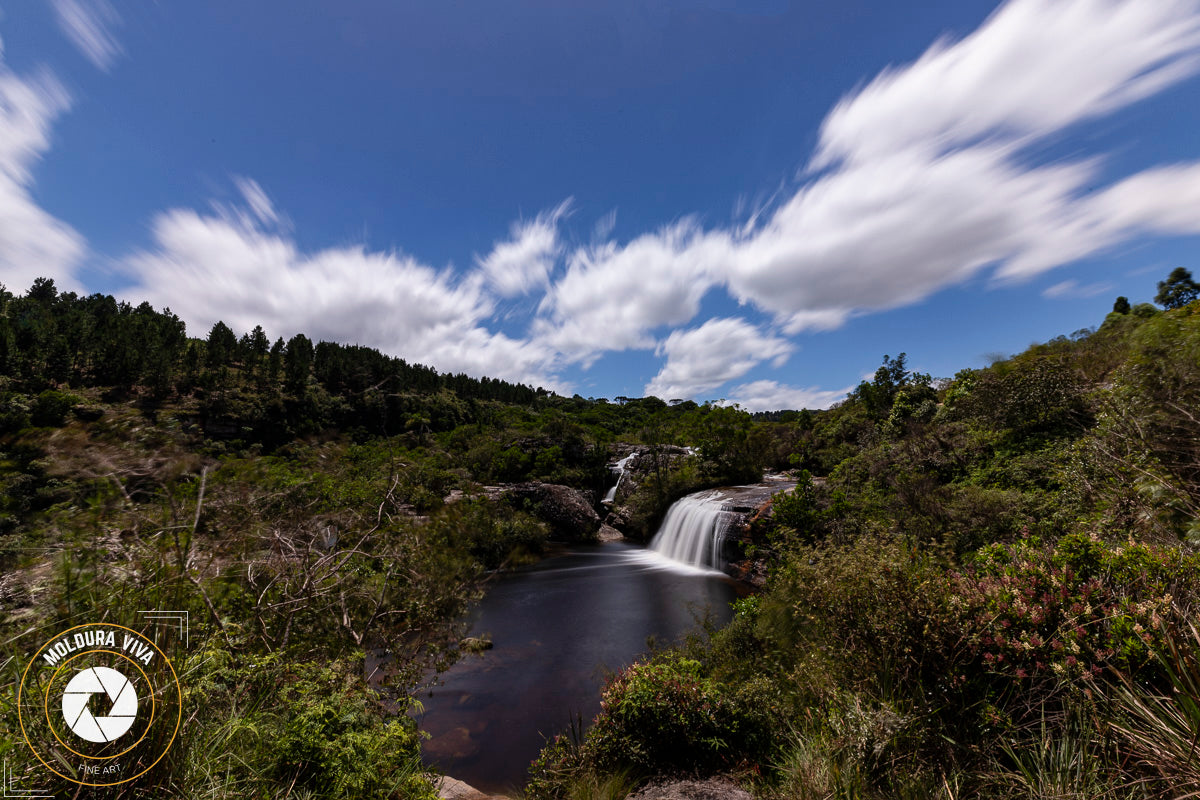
[981,586]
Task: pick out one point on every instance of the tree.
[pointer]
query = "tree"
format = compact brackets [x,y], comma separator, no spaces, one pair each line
[222,345]
[275,361]
[297,362]
[1122,305]
[1177,290]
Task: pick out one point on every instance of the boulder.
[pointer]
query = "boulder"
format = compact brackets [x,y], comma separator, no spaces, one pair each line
[608,533]
[451,789]
[567,511]
[711,789]
[618,517]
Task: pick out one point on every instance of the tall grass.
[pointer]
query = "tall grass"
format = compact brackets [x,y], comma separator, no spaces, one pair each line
[1161,731]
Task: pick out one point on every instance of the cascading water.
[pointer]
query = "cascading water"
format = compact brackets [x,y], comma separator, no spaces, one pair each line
[694,530]
[619,468]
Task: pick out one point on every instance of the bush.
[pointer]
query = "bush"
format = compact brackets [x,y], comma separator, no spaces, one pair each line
[335,741]
[871,612]
[797,510]
[323,734]
[51,407]
[665,716]
[1031,612]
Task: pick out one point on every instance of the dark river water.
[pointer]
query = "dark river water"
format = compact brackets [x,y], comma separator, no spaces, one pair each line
[559,628]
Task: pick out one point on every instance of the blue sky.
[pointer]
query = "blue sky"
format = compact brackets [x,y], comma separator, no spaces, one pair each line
[749,201]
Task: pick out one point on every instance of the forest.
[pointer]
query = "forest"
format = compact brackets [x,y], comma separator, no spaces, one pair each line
[982,585]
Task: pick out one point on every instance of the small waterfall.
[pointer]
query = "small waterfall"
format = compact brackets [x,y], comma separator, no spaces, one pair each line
[619,469]
[694,530]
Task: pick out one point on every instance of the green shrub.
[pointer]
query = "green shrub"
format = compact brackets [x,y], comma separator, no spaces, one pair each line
[797,510]
[14,412]
[665,716]
[871,612]
[311,728]
[51,407]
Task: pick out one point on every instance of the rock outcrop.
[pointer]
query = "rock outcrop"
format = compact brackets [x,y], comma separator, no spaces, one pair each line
[567,511]
[711,789]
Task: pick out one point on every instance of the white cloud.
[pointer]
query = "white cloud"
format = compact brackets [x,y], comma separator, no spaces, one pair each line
[1033,68]
[925,182]
[1073,289]
[524,262]
[88,24]
[720,350]
[924,178]
[209,268]
[772,396]
[257,201]
[33,243]
[612,297]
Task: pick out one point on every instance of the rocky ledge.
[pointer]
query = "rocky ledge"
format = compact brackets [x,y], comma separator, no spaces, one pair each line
[567,511]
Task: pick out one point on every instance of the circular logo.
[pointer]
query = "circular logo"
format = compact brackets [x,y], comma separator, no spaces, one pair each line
[99,704]
[99,680]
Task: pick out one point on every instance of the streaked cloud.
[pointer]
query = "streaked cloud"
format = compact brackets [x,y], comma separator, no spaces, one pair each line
[523,263]
[1073,289]
[612,296]
[214,267]
[1033,68]
[922,177]
[88,24]
[33,243]
[767,395]
[927,176]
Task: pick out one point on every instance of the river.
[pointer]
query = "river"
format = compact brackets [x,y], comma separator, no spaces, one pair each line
[559,628]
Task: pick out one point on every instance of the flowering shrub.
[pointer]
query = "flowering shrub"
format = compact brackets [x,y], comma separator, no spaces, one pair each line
[1035,611]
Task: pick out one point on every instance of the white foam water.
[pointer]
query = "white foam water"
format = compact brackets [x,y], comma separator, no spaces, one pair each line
[694,530]
[619,468]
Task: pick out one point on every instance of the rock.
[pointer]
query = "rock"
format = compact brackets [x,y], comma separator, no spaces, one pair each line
[566,510]
[88,413]
[475,644]
[711,789]
[608,533]
[618,518]
[490,492]
[453,789]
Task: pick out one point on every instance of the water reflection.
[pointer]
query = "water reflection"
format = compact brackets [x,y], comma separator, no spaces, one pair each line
[558,629]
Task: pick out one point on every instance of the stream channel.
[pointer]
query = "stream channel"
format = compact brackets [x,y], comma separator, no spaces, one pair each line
[559,628]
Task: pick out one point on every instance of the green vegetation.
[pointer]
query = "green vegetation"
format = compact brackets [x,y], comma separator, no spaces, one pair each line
[981,586]
[307,504]
[988,593]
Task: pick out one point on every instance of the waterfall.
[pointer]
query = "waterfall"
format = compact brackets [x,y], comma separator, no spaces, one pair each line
[619,469]
[694,530]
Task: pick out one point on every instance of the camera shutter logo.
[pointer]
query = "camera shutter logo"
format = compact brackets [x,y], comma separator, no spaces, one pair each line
[99,704]
[97,680]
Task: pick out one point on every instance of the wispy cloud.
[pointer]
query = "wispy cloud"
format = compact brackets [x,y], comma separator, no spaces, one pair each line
[1073,289]
[523,263]
[921,179]
[230,268]
[33,243]
[925,177]
[88,24]
[767,395]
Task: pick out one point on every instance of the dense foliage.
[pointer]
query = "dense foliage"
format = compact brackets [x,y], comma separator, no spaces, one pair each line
[981,586]
[986,591]
[313,506]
